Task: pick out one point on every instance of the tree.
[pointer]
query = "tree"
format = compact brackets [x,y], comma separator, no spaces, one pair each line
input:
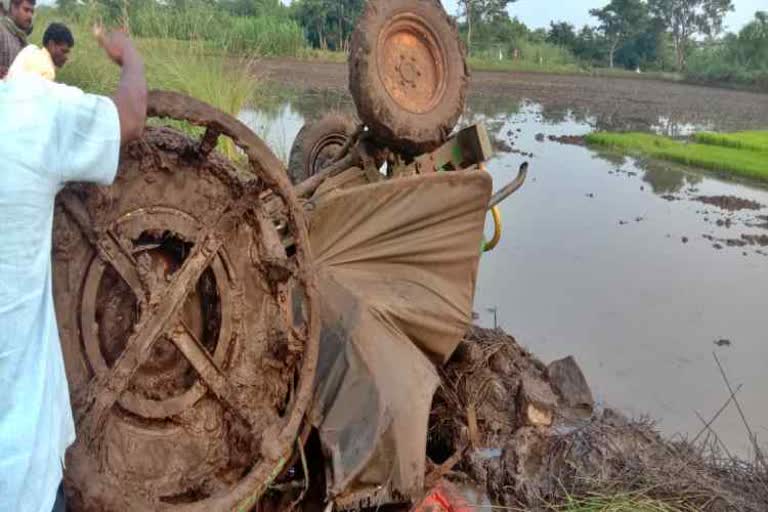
[480,12]
[328,23]
[619,21]
[562,34]
[253,7]
[752,42]
[589,45]
[685,19]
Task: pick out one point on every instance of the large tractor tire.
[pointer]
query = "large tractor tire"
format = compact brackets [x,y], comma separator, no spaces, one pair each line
[318,144]
[189,334]
[407,73]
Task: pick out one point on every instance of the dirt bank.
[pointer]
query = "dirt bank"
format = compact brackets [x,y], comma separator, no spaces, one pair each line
[615,102]
[529,435]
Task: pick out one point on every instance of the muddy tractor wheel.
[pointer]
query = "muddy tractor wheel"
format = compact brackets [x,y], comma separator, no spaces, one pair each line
[318,144]
[189,334]
[407,73]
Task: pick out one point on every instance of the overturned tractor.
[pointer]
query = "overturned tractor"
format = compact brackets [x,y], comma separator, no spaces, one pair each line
[214,316]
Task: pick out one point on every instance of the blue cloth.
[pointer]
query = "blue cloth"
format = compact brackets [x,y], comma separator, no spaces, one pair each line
[50,134]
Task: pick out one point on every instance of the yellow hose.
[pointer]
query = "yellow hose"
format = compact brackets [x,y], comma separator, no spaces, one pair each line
[497,228]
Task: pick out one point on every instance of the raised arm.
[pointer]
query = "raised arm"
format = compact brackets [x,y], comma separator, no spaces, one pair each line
[131,95]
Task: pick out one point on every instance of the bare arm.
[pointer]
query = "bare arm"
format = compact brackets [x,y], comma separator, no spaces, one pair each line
[131,95]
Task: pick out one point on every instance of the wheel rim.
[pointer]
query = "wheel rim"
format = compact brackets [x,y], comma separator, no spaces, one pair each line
[412,64]
[325,151]
[165,360]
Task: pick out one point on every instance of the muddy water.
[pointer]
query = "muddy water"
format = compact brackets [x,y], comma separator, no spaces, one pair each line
[611,260]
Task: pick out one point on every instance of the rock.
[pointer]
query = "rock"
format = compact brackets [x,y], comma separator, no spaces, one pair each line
[569,383]
[537,402]
[525,465]
[501,363]
[540,137]
[539,417]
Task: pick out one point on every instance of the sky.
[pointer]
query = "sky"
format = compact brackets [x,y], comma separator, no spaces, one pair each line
[538,13]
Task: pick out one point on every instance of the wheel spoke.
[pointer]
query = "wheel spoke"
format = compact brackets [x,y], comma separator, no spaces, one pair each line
[113,253]
[107,247]
[209,372]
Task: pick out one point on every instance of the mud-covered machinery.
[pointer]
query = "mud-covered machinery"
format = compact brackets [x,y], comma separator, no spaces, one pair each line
[214,317]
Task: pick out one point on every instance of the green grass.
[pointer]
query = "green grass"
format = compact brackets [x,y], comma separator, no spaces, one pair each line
[645,75]
[190,67]
[482,64]
[755,141]
[748,162]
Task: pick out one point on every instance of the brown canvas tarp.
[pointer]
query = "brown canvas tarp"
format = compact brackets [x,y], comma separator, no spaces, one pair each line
[397,262]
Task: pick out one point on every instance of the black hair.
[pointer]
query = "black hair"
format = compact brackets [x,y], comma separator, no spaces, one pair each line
[16,3]
[58,33]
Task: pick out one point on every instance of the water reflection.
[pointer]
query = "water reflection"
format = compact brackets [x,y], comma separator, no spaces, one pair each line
[664,179]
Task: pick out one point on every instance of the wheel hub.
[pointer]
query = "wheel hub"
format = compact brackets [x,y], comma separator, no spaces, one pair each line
[413,69]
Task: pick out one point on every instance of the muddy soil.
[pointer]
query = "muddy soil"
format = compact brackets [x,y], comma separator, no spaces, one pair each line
[729,203]
[483,414]
[615,102]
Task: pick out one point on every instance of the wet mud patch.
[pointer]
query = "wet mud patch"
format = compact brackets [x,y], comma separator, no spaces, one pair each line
[572,140]
[752,240]
[729,203]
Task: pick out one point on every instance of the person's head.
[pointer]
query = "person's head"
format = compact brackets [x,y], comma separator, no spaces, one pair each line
[21,13]
[58,40]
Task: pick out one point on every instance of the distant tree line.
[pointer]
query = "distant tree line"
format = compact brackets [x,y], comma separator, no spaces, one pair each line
[666,35]
[663,35]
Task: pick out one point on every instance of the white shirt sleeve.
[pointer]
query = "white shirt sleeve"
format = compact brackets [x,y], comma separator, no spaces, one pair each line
[88,130]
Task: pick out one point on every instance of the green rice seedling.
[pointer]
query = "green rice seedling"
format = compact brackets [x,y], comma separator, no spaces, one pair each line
[750,163]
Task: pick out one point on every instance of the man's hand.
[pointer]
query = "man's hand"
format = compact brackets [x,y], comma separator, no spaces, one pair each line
[131,95]
[116,43]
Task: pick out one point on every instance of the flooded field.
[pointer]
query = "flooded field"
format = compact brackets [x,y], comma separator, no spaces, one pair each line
[638,269]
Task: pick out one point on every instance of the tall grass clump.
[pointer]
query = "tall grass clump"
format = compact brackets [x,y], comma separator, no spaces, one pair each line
[189,67]
[750,162]
[268,36]
[255,36]
[523,55]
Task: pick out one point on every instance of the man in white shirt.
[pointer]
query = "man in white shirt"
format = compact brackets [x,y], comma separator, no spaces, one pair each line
[50,134]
